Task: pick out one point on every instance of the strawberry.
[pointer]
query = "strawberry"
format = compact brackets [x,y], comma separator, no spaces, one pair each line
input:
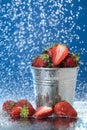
[59,52]
[43,111]
[31,111]
[23,108]
[64,109]
[23,103]
[41,60]
[27,112]
[23,112]
[15,112]
[38,62]
[71,60]
[8,105]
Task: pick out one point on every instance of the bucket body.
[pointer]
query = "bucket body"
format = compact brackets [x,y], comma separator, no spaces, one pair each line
[52,84]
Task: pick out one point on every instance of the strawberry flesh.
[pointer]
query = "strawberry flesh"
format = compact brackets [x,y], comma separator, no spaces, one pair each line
[43,111]
[59,52]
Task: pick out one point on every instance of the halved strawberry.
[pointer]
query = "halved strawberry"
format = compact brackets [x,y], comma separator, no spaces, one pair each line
[64,109]
[43,111]
[59,52]
[8,105]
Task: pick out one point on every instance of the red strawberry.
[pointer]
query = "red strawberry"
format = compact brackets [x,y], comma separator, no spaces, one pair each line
[23,103]
[23,112]
[71,60]
[41,60]
[15,112]
[27,112]
[38,62]
[63,108]
[59,52]
[8,105]
[31,111]
[43,111]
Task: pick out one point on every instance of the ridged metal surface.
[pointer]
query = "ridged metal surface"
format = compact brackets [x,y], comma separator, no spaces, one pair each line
[54,82]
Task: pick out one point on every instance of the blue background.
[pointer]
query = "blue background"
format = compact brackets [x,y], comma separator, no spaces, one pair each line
[28,26]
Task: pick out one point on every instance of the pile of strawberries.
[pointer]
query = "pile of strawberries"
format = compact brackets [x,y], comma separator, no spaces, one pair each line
[21,108]
[24,109]
[58,55]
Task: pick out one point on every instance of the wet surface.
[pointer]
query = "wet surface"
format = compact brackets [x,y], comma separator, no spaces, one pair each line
[6,123]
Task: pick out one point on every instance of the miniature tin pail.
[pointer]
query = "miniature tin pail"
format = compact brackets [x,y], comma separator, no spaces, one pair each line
[52,83]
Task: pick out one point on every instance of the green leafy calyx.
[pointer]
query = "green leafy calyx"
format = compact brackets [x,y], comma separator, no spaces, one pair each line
[24,112]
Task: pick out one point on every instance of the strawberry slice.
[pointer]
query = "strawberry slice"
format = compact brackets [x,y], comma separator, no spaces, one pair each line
[43,111]
[64,109]
[59,52]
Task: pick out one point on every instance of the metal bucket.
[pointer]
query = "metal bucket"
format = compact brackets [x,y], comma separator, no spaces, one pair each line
[54,83]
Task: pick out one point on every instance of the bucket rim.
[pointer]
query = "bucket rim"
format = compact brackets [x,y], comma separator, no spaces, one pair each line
[43,68]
